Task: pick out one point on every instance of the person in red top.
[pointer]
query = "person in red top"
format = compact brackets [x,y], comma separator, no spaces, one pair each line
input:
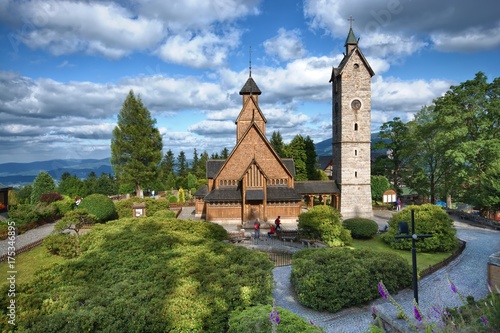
[271,232]
[277,223]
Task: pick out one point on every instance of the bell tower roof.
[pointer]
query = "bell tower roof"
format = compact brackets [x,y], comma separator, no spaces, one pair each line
[250,88]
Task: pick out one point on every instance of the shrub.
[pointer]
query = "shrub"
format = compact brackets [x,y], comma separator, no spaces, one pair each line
[23,214]
[124,207]
[42,184]
[144,275]
[99,205]
[361,228]
[65,205]
[330,279]
[172,199]
[46,213]
[64,245]
[324,223]
[165,214]
[256,319]
[51,197]
[429,219]
[75,220]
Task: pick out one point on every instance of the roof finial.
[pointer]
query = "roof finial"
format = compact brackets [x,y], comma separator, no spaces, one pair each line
[350,19]
[250,68]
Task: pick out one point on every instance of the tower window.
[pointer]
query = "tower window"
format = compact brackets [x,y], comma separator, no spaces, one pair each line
[355,152]
[356,174]
[356,66]
[356,126]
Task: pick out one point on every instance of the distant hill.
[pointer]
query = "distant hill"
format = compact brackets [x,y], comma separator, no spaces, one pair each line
[324,148]
[19,174]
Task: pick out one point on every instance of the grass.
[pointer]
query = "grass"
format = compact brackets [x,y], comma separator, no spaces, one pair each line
[424,260]
[28,263]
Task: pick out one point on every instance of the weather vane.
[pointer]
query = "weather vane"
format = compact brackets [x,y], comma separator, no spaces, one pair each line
[250,66]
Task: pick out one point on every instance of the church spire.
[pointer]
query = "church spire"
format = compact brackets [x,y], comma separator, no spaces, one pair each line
[351,42]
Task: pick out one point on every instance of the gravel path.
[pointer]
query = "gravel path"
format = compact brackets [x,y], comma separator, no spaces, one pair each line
[468,272]
[28,237]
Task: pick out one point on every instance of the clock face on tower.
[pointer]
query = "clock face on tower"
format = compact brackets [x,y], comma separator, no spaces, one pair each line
[356,104]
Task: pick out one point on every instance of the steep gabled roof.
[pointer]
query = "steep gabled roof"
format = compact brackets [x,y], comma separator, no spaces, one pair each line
[213,167]
[338,71]
[263,137]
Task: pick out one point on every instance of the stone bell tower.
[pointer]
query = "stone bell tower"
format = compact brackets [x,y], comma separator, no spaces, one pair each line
[351,112]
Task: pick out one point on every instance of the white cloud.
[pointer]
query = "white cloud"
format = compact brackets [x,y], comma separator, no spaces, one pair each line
[470,40]
[215,128]
[199,50]
[286,45]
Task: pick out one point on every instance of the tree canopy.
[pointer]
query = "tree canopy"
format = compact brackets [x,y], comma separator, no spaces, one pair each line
[136,145]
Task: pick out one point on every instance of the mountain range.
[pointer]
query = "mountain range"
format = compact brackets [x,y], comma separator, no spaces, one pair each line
[20,174]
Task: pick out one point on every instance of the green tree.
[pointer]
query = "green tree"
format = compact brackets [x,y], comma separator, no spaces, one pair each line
[297,150]
[215,156]
[136,145]
[70,185]
[90,184]
[202,170]
[182,165]
[192,181]
[224,154]
[75,220]
[43,183]
[311,161]
[167,163]
[379,185]
[468,116]
[196,163]
[278,144]
[394,135]
[170,182]
[106,184]
[181,195]
[24,194]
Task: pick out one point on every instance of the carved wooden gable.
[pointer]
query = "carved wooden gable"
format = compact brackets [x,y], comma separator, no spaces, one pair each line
[250,113]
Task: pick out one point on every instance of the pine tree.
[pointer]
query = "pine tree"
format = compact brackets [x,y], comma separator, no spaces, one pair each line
[182,165]
[196,162]
[278,144]
[202,169]
[167,163]
[224,154]
[136,145]
[43,183]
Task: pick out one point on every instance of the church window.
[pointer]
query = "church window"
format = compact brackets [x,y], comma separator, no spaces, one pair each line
[355,174]
[356,66]
[356,126]
[355,152]
[356,104]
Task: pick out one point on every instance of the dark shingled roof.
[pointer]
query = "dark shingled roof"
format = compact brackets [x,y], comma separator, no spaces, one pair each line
[254,195]
[224,195]
[316,187]
[213,167]
[351,39]
[324,161]
[290,165]
[202,191]
[281,193]
[250,87]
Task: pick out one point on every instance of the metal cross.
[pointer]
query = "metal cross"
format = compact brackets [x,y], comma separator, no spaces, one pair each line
[350,19]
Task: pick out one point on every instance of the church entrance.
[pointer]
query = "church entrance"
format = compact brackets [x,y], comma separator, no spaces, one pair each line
[255,210]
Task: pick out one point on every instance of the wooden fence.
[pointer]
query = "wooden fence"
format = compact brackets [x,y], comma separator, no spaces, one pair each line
[23,249]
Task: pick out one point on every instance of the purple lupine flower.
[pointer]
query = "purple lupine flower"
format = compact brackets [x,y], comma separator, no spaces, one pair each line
[274,316]
[484,320]
[417,313]
[436,310]
[311,322]
[452,286]
[381,290]
[374,311]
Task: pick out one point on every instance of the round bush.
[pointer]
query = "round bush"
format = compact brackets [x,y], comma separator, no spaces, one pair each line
[361,228]
[99,205]
[324,223]
[429,219]
[257,319]
[64,245]
[172,199]
[165,214]
[330,279]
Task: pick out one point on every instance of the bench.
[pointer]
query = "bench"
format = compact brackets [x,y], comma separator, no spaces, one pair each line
[308,242]
[288,238]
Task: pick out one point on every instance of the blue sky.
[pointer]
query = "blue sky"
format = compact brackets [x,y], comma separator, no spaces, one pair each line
[67,66]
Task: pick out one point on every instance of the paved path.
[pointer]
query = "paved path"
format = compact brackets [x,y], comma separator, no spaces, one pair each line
[468,272]
[28,237]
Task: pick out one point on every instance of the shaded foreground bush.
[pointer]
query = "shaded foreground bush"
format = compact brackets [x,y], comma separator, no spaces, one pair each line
[145,275]
[124,207]
[99,205]
[429,219]
[361,228]
[331,279]
[256,320]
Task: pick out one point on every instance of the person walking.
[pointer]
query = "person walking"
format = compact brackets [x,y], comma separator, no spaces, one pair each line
[277,223]
[256,229]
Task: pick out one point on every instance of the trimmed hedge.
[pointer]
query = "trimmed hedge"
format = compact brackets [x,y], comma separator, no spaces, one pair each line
[256,319]
[330,279]
[165,214]
[64,245]
[145,275]
[361,228]
[99,205]
[429,219]
[124,207]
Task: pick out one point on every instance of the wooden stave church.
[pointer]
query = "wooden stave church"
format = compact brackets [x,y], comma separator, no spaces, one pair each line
[254,182]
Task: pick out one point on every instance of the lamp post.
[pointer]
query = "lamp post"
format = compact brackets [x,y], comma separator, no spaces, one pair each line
[403,229]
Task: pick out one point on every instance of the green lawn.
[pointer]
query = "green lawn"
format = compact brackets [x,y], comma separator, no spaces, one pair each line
[424,260]
[28,263]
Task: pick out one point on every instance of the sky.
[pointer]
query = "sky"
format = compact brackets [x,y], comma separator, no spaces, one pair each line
[67,66]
